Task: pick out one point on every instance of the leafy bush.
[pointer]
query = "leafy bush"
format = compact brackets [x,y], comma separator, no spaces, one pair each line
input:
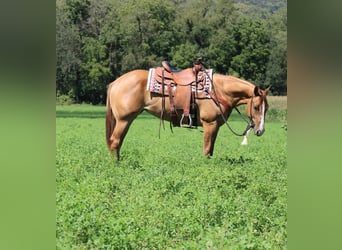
[64,100]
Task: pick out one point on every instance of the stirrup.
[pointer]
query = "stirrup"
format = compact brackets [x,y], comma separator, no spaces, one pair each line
[185,125]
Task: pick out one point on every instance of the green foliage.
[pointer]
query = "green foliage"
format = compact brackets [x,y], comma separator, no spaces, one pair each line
[78,10]
[270,5]
[251,50]
[164,194]
[95,73]
[183,55]
[99,40]
[68,55]
[63,99]
[276,73]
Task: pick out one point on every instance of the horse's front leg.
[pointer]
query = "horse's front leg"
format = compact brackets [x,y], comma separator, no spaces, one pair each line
[210,130]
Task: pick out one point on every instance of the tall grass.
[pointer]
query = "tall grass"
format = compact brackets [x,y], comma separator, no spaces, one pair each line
[277,111]
[277,102]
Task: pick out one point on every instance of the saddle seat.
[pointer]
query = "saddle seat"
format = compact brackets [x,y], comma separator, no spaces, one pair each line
[168,67]
[183,77]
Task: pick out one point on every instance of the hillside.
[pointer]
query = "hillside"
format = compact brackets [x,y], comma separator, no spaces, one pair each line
[269,5]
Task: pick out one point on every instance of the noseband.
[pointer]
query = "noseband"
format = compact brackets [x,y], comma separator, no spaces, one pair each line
[251,122]
[263,103]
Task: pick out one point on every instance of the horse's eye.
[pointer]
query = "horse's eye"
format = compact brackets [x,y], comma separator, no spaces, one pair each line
[256,108]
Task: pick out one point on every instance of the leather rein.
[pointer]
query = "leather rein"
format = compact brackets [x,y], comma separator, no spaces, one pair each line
[216,100]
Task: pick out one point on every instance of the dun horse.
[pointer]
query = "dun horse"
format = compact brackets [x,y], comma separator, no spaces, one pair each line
[128,96]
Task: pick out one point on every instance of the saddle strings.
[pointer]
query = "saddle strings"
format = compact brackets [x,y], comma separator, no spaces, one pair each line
[163,107]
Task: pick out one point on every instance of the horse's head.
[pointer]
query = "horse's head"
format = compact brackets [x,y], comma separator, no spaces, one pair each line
[256,109]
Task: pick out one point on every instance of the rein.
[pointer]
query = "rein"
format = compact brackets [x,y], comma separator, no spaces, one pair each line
[218,104]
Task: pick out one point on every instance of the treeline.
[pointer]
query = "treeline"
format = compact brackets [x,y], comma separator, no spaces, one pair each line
[99,40]
[269,5]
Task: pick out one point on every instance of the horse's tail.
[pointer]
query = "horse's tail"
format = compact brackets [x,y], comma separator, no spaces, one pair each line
[110,119]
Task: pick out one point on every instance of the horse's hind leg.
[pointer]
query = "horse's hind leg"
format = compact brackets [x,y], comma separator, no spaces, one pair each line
[118,135]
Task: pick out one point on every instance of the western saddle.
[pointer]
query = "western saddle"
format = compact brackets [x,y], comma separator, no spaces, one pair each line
[179,84]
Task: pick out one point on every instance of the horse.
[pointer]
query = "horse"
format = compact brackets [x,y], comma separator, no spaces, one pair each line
[128,96]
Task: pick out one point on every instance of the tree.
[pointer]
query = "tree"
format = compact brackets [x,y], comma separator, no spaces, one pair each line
[99,40]
[112,36]
[77,11]
[220,51]
[95,73]
[276,73]
[184,55]
[251,43]
[68,50]
[147,32]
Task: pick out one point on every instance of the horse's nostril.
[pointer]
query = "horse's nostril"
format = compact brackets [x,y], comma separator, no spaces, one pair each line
[259,132]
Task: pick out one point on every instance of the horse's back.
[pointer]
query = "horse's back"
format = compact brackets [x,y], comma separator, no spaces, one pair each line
[138,76]
[129,83]
[127,93]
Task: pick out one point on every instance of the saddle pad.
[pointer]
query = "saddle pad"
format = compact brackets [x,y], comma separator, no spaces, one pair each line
[201,89]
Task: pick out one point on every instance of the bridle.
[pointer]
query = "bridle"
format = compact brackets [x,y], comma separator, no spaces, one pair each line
[250,123]
[212,94]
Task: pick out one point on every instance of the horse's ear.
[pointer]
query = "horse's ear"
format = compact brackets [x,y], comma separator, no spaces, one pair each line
[256,91]
[267,89]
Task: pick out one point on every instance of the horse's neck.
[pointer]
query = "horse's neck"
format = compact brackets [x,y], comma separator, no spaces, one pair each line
[236,90]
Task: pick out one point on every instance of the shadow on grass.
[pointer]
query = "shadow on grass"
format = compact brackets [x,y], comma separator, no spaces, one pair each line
[94,114]
[79,114]
[237,161]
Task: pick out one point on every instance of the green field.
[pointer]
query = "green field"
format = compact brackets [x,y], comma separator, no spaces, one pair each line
[164,194]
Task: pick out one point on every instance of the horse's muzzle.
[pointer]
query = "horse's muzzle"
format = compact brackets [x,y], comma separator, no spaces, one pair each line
[259,132]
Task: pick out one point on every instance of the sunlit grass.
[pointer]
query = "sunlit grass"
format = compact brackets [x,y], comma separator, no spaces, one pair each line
[164,194]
